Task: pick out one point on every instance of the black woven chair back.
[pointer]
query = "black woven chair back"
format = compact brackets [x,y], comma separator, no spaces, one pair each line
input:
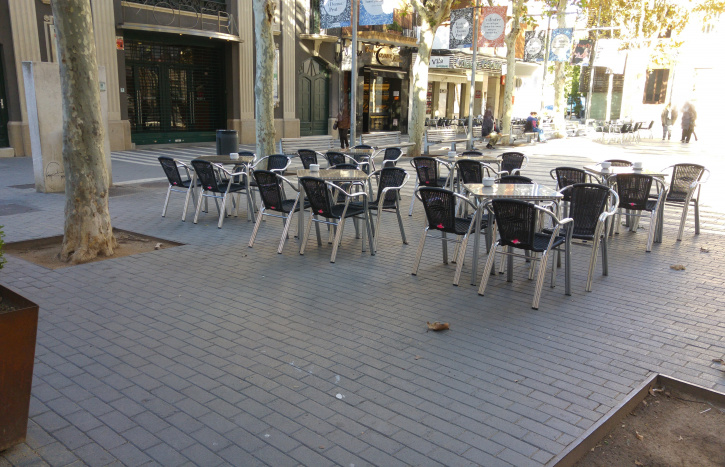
[511,161]
[277,162]
[363,146]
[318,194]
[636,127]
[619,163]
[246,153]
[625,128]
[633,190]
[588,201]
[307,157]
[171,170]
[207,174]
[390,176]
[649,127]
[470,171]
[471,153]
[427,170]
[515,180]
[392,154]
[567,176]
[516,221]
[269,189]
[335,158]
[440,208]
[683,175]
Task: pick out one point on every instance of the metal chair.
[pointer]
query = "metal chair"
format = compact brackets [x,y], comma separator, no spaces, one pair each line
[440,212]
[363,155]
[513,162]
[567,176]
[619,163]
[427,173]
[177,183]
[648,129]
[217,183]
[588,204]
[321,196]
[634,196]
[276,163]
[516,222]
[391,156]
[390,181]
[335,158]
[684,190]
[515,179]
[271,191]
[307,157]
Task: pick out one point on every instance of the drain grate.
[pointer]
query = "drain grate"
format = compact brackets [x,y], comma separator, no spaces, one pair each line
[10,209]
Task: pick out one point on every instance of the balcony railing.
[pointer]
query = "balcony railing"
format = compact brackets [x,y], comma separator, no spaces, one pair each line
[196,17]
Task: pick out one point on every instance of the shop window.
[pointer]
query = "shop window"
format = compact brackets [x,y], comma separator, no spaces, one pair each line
[655,88]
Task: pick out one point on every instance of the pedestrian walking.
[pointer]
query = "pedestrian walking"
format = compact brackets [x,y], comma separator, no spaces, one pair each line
[689,116]
[669,117]
[488,129]
[343,127]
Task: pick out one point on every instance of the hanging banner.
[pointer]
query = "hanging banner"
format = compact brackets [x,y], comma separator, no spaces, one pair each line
[534,49]
[334,13]
[377,12]
[608,55]
[493,25]
[560,47]
[461,28]
[582,53]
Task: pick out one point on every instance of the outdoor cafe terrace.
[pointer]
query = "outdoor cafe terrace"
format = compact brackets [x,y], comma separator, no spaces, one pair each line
[216,353]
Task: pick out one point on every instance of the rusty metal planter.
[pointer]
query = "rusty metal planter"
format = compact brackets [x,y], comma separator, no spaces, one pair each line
[18,329]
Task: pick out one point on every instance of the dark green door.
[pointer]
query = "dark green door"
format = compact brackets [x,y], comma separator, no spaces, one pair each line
[312,85]
[4,142]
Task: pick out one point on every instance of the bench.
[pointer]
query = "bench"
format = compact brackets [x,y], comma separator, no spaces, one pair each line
[518,132]
[384,140]
[321,143]
[439,136]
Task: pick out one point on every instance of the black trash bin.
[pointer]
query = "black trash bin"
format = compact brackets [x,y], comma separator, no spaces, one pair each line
[227,141]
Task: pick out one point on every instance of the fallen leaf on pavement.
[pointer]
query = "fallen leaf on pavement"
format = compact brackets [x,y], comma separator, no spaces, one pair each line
[436,326]
[639,437]
[718,360]
[677,267]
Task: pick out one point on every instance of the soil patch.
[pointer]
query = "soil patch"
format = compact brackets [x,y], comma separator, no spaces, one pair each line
[668,428]
[45,251]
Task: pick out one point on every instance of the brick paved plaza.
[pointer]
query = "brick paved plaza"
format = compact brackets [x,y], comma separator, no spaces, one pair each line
[213,353]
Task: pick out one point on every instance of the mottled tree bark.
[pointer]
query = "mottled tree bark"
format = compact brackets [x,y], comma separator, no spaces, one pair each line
[508,92]
[560,81]
[88,231]
[263,90]
[431,14]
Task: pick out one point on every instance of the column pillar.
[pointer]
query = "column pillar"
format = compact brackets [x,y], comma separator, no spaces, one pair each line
[26,47]
[104,29]
[465,99]
[245,73]
[291,125]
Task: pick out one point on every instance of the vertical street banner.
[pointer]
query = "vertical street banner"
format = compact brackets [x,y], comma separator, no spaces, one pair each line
[376,12]
[560,47]
[461,28]
[534,49]
[334,13]
[608,55]
[493,26]
[582,53]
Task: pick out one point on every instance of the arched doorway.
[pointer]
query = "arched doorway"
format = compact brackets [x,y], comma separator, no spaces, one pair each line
[313,82]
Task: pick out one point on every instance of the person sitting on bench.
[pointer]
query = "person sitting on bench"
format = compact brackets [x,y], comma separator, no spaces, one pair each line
[532,126]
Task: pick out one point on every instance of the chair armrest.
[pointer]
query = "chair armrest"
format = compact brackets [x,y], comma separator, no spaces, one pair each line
[294,187]
[347,195]
[466,200]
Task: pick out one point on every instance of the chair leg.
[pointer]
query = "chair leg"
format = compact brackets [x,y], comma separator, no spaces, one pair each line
[540,280]
[553,270]
[166,203]
[400,224]
[419,253]
[567,269]
[198,206]
[307,234]
[186,202]
[652,228]
[338,236]
[256,227]
[460,260]
[412,201]
[697,217]
[222,211]
[593,261]
[369,224]
[683,219]
[487,269]
[285,231]
[376,231]
[532,264]
[444,241]
[504,260]
[317,230]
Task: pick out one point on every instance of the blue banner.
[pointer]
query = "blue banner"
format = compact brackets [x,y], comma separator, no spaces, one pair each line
[560,48]
[334,13]
[376,12]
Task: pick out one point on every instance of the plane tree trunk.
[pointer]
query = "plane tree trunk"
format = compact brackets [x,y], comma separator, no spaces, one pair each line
[263,90]
[87,231]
